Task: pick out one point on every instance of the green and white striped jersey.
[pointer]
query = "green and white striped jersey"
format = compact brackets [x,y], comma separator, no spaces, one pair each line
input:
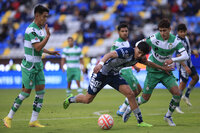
[162,50]
[72,56]
[33,34]
[119,43]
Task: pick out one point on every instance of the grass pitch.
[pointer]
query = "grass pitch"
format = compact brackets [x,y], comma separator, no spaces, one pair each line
[81,118]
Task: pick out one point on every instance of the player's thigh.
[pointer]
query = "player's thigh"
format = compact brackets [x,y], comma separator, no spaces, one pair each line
[169,81]
[70,74]
[77,74]
[131,80]
[151,80]
[40,78]
[28,78]
[126,90]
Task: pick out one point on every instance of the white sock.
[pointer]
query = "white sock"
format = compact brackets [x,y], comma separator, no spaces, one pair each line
[11,114]
[34,116]
[123,107]
[169,113]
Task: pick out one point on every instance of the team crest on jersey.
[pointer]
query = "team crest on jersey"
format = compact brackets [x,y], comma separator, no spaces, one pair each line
[170,46]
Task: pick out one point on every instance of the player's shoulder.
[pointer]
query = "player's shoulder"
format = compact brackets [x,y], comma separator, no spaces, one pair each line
[31,28]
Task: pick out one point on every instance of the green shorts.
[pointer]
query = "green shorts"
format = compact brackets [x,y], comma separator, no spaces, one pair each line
[127,74]
[152,79]
[73,74]
[32,78]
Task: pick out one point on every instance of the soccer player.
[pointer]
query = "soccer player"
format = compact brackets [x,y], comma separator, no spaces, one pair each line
[186,69]
[107,72]
[163,45]
[32,66]
[127,72]
[72,57]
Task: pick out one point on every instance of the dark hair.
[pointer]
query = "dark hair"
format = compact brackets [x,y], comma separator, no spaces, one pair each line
[40,9]
[182,27]
[122,25]
[70,38]
[164,23]
[144,47]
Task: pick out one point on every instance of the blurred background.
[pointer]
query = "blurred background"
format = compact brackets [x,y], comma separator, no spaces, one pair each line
[92,23]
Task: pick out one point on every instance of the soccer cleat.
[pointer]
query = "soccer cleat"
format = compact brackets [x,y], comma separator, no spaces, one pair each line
[66,102]
[169,120]
[119,113]
[35,124]
[143,124]
[126,114]
[187,100]
[7,122]
[178,110]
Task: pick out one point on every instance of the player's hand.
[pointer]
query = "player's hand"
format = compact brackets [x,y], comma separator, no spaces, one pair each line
[56,53]
[188,70]
[137,69]
[47,30]
[97,68]
[168,62]
[196,54]
[167,69]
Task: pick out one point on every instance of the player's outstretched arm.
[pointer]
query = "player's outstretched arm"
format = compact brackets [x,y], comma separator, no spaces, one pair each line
[56,53]
[107,56]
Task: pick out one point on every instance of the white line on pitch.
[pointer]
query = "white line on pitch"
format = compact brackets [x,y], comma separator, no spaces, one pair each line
[91,117]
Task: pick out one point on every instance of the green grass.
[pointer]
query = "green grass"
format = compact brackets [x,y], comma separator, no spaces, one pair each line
[80,118]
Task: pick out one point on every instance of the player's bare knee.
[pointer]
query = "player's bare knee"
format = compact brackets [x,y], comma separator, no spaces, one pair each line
[130,94]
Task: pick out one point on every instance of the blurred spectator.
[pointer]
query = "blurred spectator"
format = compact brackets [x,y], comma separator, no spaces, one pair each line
[3,32]
[197,28]
[19,40]
[93,25]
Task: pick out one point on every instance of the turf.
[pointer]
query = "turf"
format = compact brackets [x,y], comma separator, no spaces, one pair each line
[80,118]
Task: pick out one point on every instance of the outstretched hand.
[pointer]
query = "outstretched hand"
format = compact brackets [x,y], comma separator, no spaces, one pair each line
[97,68]
[56,53]
[47,30]
[168,69]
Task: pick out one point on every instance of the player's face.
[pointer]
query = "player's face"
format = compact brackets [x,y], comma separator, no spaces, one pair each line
[164,32]
[182,33]
[123,33]
[42,18]
[70,42]
[138,53]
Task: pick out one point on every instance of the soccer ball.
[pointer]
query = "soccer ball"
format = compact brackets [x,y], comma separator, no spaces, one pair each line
[105,121]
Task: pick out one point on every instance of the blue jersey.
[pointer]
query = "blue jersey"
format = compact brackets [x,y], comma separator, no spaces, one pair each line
[125,59]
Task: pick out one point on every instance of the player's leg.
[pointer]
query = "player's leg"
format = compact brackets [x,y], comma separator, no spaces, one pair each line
[70,75]
[121,85]
[132,81]
[126,91]
[195,79]
[182,86]
[28,83]
[170,83]
[38,101]
[97,82]
[77,77]
[150,83]
[183,76]
[68,90]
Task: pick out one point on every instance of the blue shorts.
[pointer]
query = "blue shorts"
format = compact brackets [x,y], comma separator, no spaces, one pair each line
[98,81]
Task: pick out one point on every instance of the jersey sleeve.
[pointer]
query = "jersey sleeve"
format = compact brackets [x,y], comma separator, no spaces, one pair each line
[125,52]
[114,47]
[33,36]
